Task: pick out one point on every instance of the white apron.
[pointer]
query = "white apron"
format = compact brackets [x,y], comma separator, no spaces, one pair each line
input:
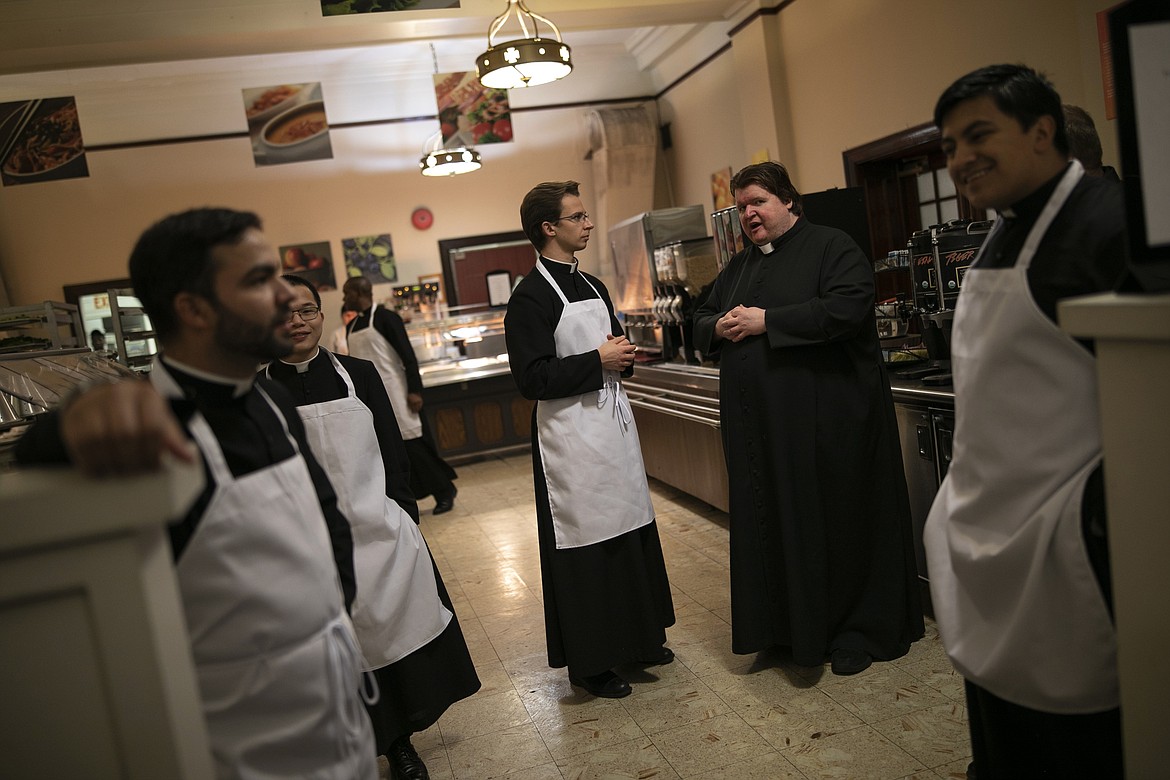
[369,344]
[397,609]
[1017,604]
[589,444]
[274,651]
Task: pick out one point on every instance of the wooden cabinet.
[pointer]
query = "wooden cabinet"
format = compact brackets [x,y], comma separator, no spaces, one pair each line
[478,415]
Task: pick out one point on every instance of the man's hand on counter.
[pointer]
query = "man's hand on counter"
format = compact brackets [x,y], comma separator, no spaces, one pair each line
[121,429]
[415,402]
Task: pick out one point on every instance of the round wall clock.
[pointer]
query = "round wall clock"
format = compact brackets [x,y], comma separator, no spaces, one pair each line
[422,218]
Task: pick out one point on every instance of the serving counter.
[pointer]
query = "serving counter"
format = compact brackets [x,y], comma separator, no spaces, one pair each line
[473,408]
[677,410]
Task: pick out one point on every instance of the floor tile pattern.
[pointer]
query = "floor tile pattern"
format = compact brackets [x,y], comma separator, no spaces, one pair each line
[710,714]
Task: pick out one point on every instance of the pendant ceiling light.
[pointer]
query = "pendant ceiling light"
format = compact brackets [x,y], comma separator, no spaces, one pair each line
[523,62]
[440,161]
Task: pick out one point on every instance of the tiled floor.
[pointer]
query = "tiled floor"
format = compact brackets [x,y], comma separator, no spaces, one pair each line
[711,714]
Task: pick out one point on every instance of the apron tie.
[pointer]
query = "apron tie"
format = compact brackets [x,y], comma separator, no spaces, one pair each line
[342,657]
[371,693]
[621,406]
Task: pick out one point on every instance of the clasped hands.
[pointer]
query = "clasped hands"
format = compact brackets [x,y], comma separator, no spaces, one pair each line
[617,353]
[741,322]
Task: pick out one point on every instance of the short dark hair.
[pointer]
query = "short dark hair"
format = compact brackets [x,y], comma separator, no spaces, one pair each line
[774,178]
[1018,91]
[174,256]
[543,204]
[301,281]
[1083,141]
[359,283]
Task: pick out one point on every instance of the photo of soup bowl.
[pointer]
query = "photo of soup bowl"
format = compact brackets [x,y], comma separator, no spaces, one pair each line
[299,133]
[263,104]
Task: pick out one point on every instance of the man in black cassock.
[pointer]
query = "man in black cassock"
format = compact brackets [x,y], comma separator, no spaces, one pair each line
[263,556]
[378,335]
[822,555]
[417,686]
[606,595]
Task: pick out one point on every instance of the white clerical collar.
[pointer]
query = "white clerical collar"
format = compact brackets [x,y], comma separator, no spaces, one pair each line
[240,386]
[572,265]
[303,366]
[766,248]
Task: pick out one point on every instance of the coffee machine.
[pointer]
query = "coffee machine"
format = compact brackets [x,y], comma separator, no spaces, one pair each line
[939,258]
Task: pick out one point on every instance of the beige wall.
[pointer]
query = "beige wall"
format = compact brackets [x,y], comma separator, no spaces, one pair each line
[68,232]
[857,70]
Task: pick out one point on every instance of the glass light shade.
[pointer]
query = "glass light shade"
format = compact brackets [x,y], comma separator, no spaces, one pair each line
[449,162]
[525,62]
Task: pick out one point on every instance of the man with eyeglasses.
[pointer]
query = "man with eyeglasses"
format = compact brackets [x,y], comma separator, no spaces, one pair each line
[607,599]
[379,336]
[263,557]
[406,625]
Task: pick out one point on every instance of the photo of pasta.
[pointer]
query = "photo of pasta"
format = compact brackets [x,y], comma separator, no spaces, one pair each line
[470,113]
[40,140]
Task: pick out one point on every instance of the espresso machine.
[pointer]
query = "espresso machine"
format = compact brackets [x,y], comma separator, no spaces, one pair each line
[939,258]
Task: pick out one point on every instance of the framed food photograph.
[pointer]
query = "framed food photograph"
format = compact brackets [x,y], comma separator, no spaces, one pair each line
[312,261]
[40,140]
[721,189]
[471,114]
[343,7]
[287,123]
[371,257]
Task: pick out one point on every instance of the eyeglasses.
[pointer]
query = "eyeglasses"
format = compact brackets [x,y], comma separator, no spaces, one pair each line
[579,217]
[306,313]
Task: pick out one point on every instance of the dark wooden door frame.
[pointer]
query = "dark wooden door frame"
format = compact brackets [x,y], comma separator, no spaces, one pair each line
[921,139]
[447,245]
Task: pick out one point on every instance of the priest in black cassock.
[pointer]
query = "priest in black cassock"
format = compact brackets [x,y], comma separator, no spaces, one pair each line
[822,558]
[606,595]
[405,623]
[378,335]
[263,557]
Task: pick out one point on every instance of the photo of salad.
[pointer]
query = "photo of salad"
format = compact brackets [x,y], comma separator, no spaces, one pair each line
[471,114]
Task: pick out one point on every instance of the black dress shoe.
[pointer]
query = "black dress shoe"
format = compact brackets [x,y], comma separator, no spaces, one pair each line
[664,656]
[446,503]
[404,761]
[607,685]
[846,661]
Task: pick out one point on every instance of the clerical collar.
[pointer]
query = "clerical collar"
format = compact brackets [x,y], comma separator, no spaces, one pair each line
[239,386]
[571,266]
[1030,206]
[766,248]
[303,366]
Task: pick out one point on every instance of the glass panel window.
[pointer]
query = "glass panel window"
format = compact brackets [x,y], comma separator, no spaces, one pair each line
[925,186]
[949,209]
[928,214]
[946,186]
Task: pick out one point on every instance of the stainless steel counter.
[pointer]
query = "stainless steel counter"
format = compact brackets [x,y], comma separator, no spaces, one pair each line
[449,372]
[677,409]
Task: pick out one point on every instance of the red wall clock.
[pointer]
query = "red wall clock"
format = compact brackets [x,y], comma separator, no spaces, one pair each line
[422,218]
